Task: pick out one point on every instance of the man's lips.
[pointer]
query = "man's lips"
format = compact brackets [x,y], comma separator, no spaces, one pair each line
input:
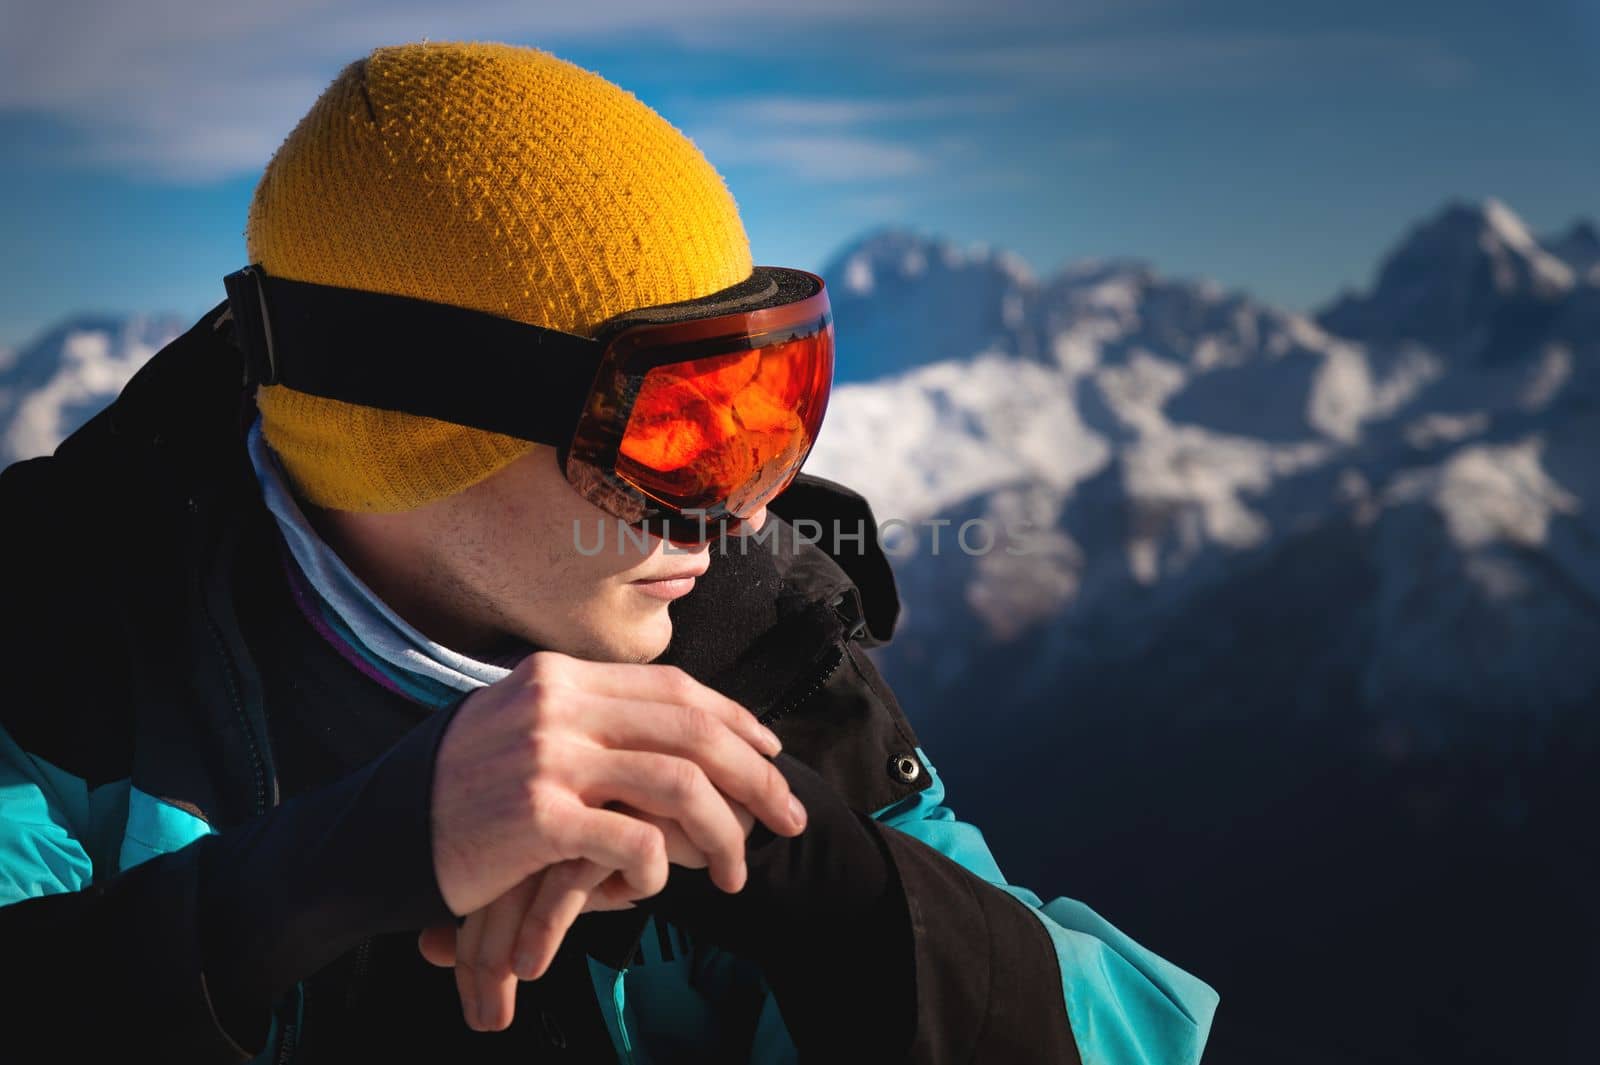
[687,573]
[669,586]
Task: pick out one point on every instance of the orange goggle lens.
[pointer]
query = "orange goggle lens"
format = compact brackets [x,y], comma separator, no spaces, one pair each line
[729,431]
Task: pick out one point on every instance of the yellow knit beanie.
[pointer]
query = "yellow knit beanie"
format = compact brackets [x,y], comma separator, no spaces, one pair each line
[488,176]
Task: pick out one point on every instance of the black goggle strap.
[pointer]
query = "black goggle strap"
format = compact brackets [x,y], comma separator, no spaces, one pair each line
[415,356]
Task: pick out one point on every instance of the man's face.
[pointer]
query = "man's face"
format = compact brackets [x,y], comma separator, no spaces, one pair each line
[521,554]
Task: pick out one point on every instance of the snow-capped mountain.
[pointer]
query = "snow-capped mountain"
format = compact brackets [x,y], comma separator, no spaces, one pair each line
[901,300]
[54,384]
[1165,439]
[1470,280]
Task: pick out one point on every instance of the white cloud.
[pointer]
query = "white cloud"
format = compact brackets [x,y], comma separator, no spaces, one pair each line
[193,90]
[814,138]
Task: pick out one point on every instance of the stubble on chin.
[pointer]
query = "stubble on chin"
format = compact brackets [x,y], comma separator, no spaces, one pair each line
[640,640]
[601,628]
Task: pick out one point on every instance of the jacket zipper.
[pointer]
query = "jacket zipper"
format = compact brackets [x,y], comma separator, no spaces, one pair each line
[291,1036]
[290,1042]
[818,679]
[363,956]
[265,793]
[260,805]
[234,676]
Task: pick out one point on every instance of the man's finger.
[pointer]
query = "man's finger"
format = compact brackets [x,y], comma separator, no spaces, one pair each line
[563,890]
[613,840]
[467,937]
[611,895]
[680,849]
[438,945]
[730,763]
[649,682]
[674,788]
[496,981]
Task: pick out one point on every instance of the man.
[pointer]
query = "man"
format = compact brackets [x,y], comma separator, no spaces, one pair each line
[333,735]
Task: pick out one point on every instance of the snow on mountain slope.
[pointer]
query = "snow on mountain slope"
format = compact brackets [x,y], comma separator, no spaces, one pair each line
[947,432]
[1168,439]
[1190,401]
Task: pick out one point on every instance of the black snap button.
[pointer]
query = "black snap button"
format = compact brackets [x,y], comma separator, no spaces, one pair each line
[905,768]
[552,1031]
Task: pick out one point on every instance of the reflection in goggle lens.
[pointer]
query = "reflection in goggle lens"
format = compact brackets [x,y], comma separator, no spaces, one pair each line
[728,427]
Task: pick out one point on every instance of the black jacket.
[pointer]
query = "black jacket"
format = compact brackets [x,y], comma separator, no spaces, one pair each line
[150,638]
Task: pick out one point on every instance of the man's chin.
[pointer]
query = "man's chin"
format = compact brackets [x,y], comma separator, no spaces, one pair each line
[620,629]
[636,639]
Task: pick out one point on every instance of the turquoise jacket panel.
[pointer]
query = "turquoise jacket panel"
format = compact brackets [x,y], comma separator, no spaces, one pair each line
[1127,1005]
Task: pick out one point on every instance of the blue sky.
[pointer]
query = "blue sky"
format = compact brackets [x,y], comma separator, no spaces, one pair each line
[1277,147]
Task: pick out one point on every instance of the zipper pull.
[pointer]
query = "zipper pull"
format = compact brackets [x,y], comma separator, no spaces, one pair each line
[619,1002]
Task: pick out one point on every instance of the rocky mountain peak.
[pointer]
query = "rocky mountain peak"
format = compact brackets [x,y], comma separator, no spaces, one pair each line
[1470,278]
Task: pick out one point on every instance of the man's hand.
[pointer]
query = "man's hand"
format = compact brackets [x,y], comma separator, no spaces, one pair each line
[528,768]
[532,919]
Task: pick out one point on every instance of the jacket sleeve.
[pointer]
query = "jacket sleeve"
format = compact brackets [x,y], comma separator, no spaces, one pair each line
[180,957]
[895,938]
[1001,975]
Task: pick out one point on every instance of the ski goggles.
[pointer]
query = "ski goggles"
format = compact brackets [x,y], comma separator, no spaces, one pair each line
[677,419]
